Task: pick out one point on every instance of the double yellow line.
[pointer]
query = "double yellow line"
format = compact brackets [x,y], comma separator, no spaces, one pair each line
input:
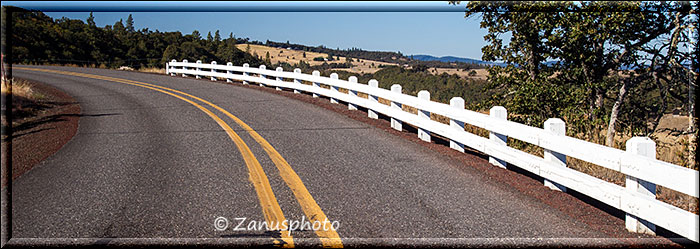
[271,209]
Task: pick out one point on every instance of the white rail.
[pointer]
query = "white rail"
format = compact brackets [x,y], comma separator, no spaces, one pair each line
[638,162]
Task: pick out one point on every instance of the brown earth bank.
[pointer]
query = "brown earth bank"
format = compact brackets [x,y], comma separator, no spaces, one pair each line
[41,125]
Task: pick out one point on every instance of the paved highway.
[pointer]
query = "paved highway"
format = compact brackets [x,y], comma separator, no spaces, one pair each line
[164,157]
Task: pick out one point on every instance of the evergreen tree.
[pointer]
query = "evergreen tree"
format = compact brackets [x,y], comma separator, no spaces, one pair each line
[91,21]
[130,24]
[196,36]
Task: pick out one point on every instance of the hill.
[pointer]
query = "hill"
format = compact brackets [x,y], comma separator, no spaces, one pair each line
[422,57]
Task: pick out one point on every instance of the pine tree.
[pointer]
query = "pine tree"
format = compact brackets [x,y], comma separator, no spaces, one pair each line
[196,36]
[130,24]
[91,20]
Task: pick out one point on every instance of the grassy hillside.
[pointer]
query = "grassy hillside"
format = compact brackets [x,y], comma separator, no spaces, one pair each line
[294,56]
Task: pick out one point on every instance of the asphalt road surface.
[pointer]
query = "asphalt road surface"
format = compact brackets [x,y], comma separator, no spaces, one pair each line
[151,161]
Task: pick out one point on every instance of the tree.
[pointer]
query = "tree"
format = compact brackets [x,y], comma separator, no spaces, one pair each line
[130,23]
[528,85]
[91,21]
[196,36]
[119,26]
[420,68]
[217,36]
[40,39]
[587,44]
[267,57]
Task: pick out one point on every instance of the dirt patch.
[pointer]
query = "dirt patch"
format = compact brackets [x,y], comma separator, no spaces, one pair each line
[41,125]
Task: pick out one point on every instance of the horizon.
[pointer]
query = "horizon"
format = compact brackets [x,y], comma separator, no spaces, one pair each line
[416,28]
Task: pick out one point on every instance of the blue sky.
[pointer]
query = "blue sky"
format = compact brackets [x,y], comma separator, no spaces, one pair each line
[434,28]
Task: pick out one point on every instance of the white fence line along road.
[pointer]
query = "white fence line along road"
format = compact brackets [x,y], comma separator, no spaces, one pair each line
[643,172]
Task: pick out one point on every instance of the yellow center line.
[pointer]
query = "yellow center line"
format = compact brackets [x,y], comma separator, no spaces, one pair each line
[329,238]
[271,209]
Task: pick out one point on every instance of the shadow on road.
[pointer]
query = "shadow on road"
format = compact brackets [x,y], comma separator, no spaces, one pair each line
[17,130]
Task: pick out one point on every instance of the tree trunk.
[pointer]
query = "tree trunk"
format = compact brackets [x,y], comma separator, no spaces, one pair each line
[599,98]
[692,129]
[692,136]
[610,136]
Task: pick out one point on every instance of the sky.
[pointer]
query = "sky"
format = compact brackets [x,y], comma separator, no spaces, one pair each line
[432,28]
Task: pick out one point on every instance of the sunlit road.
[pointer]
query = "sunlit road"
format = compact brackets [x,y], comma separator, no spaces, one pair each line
[150,160]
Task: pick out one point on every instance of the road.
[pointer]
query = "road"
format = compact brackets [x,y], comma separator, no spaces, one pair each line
[151,161]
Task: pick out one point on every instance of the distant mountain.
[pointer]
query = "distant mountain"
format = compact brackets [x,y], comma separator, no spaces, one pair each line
[423,57]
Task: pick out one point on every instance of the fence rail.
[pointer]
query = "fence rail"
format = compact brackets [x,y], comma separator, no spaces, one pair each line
[643,171]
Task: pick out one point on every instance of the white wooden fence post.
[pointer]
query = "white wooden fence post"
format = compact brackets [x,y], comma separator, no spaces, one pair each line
[184,75]
[171,73]
[422,133]
[395,123]
[557,127]
[262,67]
[498,112]
[646,147]
[245,82]
[213,71]
[375,85]
[279,79]
[229,65]
[352,80]
[198,69]
[297,81]
[315,84]
[458,103]
[334,88]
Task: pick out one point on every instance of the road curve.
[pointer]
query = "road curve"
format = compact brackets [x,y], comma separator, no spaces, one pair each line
[148,164]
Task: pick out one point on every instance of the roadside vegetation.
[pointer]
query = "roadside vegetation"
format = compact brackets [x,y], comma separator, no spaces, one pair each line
[39,39]
[610,70]
[26,102]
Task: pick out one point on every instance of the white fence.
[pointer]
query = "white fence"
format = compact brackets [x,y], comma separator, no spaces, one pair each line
[643,172]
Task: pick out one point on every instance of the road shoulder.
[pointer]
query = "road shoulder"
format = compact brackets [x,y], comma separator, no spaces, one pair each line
[39,129]
[573,206]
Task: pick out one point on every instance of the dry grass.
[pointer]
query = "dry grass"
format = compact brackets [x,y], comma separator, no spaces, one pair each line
[672,147]
[152,70]
[17,87]
[480,73]
[360,66]
[293,57]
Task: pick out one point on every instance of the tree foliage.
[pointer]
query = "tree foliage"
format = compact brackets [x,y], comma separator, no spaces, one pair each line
[581,60]
[39,39]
